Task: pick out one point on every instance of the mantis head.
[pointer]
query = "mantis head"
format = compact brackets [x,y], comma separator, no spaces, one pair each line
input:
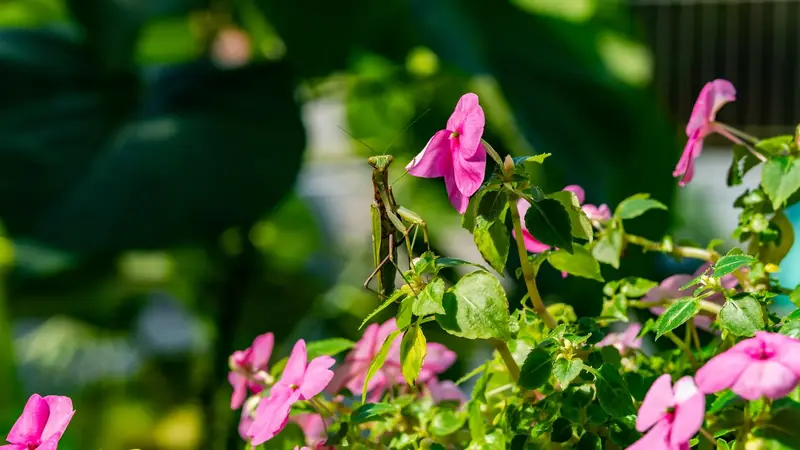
[380,162]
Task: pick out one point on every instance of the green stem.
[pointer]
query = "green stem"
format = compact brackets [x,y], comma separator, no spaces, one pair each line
[739,133]
[505,353]
[527,268]
[678,251]
[704,305]
[682,345]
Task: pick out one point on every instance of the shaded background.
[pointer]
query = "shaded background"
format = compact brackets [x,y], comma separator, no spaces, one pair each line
[173,181]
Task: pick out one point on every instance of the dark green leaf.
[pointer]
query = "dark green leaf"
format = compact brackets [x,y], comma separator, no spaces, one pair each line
[378,361]
[446,422]
[548,221]
[562,430]
[536,369]
[636,205]
[444,263]
[287,439]
[579,263]
[730,263]
[608,248]
[722,400]
[476,308]
[678,313]
[742,316]
[780,431]
[397,295]
[589,441]
[429,301]
[371,412]
[492,240]
[780,179]
[413,349]
[492,205]
[742,162]
[565,370]
[580,225]
[612,392]
[328,347]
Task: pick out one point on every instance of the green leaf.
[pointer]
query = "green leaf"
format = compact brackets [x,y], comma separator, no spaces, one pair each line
[794,296]
[612,392]
[445,263]
[791,328]
[589,441]
[536,369]
[776,146]
[780,431]
[393,298]
[722,400]
[329,347]
[742,162]
[636,205]
[413,349]
[742,316]
[634,287]
[539,159]
[580,225]
[287,439]
[378,361]
[446,422]
[429,301]
[477,429]
[476,308]
[548,221]
[492,240]
[579,263]
[565,370]
[371,412]
[678,313]
[730,262]
[780,178]
[493,205]
[404,313]
[608,248]
[562,430]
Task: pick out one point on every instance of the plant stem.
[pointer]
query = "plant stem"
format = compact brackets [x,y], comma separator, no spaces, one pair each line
[682,345]
[704,305]
[527,269]
[505,353]
[678,251]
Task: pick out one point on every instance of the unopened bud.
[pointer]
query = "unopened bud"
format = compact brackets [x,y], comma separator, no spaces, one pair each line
[508,164]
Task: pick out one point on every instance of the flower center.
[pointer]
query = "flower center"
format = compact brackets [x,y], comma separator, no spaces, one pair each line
[763,352]
[454,135]
[670,414]
[294,387]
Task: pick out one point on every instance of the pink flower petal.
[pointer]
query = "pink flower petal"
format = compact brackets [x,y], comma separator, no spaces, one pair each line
[438,359]
[245,422]
[31,423]
[445,390]
[690,411]
[272,415]
[317,376]
[685,167]
[262,350]
[239,384]
[457,199]
[601,213]
[296,365]
[14,447]
[469,167]
[655,403]
[60,415]
[435,160]
[656,439]
[786,349]
[764,378]
[313,427]
[468,121]
[714,95]
[578,191]
[722,371]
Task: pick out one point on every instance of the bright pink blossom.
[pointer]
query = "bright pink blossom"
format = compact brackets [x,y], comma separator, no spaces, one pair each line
[670,289]
[247,365]
[672,415]
[456,153]
[624,341]
[352,373]
[767,365]
[444,391]
[715,95]
[314,429]
[41,423]
[300,381]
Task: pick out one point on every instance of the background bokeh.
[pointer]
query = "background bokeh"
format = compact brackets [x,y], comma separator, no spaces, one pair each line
[173,180]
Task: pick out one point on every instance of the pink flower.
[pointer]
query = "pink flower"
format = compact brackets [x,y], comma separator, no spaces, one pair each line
[246,365]
[670,289]
[297,447]
[767,365]
[624,341]
[352,373]
[445,390]
[673,416]
[715,95]
[299,381]
[456,153]
[314,429]
[41,423]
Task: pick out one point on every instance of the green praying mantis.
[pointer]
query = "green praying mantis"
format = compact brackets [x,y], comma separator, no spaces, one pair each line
[388,229]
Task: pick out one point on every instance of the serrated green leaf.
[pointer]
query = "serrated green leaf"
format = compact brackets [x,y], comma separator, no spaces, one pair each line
[636,205]
[579,263]
[371,412]
[536,369]
[565,370]
[741,316]
[492,205]
[678,313]
[612,392]
[730,263]
[776,146]
[548,221]
[413,349]
[780,178]
[405,313]
[429,301]
[445,263]
[476,308]
[580,225]
[608,248]
[742,162]
[397,295]
[378,361]
[493,242]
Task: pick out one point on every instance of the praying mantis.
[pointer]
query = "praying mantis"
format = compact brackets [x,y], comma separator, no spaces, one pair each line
[388,229]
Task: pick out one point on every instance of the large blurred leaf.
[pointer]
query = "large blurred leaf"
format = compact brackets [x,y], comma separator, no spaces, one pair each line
[215,149]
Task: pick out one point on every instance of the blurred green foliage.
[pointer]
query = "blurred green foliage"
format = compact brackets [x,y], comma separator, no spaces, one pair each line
[150,148]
